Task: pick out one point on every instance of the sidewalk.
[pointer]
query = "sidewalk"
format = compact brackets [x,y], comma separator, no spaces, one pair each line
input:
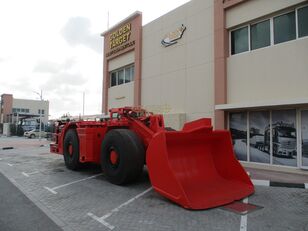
[275,176]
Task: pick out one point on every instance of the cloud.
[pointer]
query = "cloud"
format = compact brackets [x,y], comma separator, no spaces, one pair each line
[77,32]
[63,79]
[45,66]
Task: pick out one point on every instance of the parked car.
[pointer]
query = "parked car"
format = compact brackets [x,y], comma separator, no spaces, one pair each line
[35,133]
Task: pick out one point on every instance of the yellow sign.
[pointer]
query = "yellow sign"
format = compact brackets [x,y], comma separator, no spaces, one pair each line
[120,36]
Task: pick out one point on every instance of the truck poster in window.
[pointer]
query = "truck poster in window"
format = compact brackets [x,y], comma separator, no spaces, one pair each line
[238,129]
[259,134]
[284,137]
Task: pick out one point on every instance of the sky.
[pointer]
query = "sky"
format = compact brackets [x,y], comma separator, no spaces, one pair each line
[55,46]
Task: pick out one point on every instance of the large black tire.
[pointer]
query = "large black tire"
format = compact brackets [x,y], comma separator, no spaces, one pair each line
[130,152]
[71,160]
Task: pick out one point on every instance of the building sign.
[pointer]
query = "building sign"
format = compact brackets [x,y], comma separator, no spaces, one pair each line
[172,37]
[119,39]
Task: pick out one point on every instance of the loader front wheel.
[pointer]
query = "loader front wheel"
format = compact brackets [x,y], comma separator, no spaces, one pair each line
[122,156]
[71,150]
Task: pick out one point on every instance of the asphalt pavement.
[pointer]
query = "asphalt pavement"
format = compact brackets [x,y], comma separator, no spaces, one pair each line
[18,213]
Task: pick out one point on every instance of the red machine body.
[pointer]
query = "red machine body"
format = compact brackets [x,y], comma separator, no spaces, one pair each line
[195,167]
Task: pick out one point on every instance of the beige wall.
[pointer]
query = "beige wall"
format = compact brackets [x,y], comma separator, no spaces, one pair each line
[121,61]
[273,73]
[253,9]
[121,96]
[33,106]
[180,77]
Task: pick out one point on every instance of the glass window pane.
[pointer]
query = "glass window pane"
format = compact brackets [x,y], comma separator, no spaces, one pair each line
[239,40]
[284,137]
[113,81]
[260,35]
[284,28]
[121,77]
[238,129]
[132,72]
[302,21]
[259,130]
[305,138]
[127,75]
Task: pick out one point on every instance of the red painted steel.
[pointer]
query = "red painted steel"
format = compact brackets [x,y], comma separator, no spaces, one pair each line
[195,167]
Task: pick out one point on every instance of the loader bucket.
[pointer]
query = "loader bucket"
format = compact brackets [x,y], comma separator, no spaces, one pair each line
[196,167]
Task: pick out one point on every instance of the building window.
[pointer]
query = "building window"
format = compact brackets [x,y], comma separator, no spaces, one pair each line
[284,28]
[239,40]
[129,74]
[260,35]
[14,109]
[259,136]
[27,110]
[304,134]
[43,111]
[113,81]
[22,110]
[274,30]
[272,136]
[238,128]
[284,137]
[121,76]
[302,21]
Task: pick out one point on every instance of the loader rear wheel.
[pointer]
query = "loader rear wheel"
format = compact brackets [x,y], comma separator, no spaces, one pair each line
[122,156]
[71,150]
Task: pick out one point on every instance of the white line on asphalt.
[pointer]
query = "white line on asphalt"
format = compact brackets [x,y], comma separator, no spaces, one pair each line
[102,219]
[50,190]
[261,182]
[243,226]
[10,165]
[63,185]
[29,173]
[25,174]
[306,185]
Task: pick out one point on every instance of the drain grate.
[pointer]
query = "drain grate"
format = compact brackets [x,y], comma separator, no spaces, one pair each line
[241,208]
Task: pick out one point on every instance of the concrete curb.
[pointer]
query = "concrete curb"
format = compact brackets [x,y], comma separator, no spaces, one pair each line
[7,148]
[279,184]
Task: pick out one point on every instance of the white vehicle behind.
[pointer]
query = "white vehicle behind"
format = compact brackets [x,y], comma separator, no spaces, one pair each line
[35,133]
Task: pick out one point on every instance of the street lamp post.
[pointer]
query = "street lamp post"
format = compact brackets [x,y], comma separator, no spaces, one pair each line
[40,112]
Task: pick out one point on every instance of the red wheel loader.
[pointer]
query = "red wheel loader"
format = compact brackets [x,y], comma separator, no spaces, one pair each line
[195,167]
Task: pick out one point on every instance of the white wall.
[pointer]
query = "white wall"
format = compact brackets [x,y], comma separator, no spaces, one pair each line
[121,61]
[33,106]
[121,96]
[179,78]
[272,73]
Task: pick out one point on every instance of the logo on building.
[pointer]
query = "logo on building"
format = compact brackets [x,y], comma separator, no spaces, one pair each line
[120,39]
[172,37]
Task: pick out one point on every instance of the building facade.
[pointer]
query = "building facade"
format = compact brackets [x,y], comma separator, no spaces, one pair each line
[13,110]
[243,63]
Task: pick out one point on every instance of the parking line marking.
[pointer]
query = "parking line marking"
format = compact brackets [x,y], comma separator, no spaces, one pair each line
[261,182]
[25,174]
[243,225]
[306,185]
[64,185]
[29,173]
[102,219]
[50,190]
[11,165]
